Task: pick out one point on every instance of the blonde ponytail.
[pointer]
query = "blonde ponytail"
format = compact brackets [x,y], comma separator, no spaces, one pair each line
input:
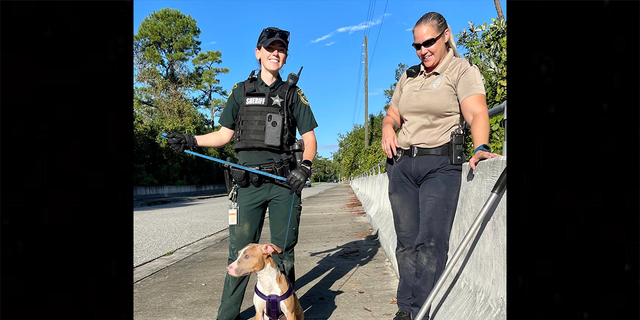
[452,44]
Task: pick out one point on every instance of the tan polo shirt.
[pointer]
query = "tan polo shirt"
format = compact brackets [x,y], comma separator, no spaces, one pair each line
[429,104]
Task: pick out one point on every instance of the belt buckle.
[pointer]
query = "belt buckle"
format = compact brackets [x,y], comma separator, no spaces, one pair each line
[414,151]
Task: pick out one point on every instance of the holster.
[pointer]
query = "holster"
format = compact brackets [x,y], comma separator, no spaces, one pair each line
[240,177]
[399,154]
[283,167]
[255,179]
[228,181]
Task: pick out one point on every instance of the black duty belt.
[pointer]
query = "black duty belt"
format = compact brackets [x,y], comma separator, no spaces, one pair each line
[282,171]
[416,151]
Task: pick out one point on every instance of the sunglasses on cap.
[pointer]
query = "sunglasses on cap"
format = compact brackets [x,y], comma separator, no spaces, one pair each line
[427,43]
[269,33]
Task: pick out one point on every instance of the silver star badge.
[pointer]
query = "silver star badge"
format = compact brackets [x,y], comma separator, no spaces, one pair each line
[276,100]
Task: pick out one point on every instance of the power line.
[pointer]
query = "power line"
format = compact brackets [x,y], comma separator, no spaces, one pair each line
[355,104]
[372,6]
[374,46]
[370,13]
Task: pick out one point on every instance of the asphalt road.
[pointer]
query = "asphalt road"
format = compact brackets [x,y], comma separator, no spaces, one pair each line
[161,229]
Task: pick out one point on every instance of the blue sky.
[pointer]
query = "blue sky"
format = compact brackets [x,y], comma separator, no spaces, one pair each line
[327,39]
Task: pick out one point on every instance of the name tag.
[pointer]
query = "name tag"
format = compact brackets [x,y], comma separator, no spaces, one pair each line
[255,100]
[233,214]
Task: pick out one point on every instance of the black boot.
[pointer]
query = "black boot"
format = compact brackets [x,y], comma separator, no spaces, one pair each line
[402,315]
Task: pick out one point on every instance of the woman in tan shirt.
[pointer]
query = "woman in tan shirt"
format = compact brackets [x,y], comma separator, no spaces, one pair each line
[427,106]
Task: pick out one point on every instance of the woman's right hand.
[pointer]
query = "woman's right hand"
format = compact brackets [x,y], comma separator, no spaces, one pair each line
[179,142]
[389,139]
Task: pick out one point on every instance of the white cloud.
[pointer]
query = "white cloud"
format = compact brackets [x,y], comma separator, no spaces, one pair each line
[376,92]
[409,29]
[352,29]
[212,42]
[330,43]
[329,146]
[323,37]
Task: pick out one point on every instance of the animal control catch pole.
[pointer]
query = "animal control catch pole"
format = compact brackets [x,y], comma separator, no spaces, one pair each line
[233,164]
[497,189]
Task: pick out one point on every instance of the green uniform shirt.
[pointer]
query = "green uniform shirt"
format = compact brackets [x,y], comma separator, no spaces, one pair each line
[305,121]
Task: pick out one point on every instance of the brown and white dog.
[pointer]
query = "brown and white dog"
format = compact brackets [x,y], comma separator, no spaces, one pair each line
[274,295]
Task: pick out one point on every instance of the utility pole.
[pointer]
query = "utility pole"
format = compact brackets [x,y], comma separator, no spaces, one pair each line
[366,97]
[499,10]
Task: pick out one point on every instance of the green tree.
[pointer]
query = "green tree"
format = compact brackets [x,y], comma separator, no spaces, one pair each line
[164,85]
[487,48]
[165,42]
[353,158]
[324,170]
[350,146]
[209,83]
[388,93]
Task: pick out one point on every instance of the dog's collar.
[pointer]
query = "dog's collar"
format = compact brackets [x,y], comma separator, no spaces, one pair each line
[273,301]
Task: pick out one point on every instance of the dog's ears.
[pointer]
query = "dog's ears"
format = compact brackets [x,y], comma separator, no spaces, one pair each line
[269,248]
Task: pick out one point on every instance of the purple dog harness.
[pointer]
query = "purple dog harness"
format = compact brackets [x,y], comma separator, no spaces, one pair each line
[273,301]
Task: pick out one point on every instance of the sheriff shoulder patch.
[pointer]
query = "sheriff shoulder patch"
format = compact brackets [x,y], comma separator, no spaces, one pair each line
[234,86]
[303,98]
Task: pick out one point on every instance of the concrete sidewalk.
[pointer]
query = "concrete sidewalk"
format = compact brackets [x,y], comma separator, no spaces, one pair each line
[342,271]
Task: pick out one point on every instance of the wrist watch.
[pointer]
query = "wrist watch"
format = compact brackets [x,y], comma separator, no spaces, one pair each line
[307,164]
[483,147]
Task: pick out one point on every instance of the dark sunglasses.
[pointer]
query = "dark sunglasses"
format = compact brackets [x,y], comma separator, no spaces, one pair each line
[270,33]
[427,43]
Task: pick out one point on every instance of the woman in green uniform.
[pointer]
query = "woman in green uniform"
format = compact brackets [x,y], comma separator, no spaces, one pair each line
[253,106]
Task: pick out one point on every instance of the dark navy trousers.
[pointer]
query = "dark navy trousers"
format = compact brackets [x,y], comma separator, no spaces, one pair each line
[423,192]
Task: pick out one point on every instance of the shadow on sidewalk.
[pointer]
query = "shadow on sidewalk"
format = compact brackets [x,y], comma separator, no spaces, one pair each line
[319,301]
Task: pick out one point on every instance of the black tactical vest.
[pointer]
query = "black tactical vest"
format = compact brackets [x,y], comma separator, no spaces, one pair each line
[251,123]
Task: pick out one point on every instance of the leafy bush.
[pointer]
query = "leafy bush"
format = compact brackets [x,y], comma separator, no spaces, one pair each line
[487,48]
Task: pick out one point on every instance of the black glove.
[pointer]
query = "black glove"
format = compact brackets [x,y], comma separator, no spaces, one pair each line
[297,178]
[179,141]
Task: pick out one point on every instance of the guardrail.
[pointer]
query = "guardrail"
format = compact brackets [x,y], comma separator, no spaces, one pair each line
[145,192]
[493,112]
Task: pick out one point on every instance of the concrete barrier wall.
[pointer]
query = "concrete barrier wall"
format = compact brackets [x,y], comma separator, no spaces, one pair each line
[373,193]
[476,287]
[166,191]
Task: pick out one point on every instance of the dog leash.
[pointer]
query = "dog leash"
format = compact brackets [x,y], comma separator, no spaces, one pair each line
[284,248]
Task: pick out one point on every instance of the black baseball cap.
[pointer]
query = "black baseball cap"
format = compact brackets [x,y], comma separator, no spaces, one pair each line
[271,34]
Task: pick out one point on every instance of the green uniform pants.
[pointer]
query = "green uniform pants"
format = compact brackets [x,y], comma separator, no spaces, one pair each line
[252,205]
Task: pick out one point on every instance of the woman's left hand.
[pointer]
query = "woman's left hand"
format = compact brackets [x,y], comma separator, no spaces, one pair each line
[481,155]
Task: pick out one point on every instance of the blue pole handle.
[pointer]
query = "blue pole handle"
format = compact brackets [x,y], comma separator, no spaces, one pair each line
[234,165]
